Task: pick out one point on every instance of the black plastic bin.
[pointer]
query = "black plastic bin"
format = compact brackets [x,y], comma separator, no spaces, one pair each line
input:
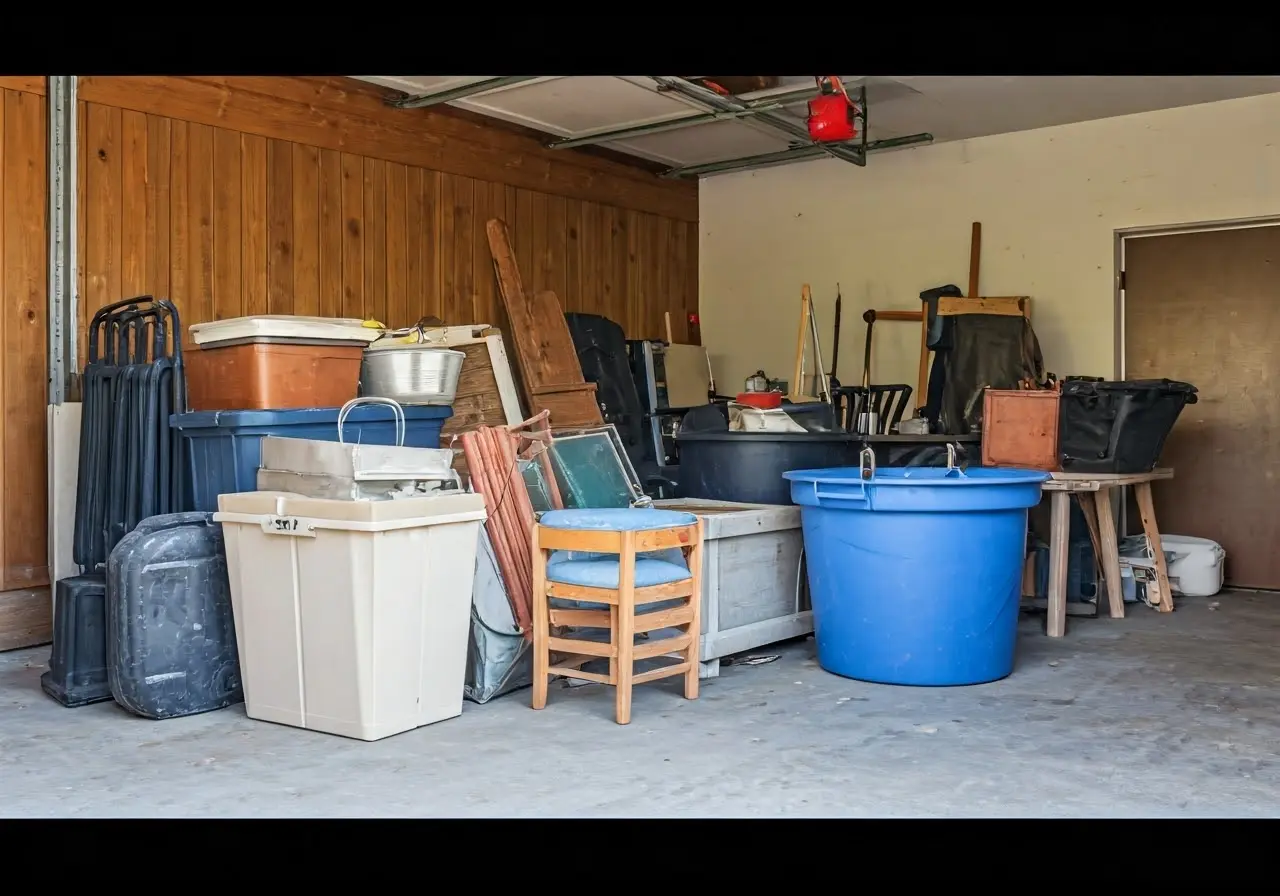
[1118,427]
[748,466]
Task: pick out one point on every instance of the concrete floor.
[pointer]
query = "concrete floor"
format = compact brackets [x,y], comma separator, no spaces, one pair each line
[1148,716]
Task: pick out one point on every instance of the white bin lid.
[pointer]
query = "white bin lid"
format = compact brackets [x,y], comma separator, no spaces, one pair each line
[259,508]
[284,326]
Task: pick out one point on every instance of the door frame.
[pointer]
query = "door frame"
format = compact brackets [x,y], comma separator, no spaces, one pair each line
[1119,506]
[1124,233]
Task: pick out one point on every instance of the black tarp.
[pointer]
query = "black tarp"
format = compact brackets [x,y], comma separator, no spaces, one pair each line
[988,351]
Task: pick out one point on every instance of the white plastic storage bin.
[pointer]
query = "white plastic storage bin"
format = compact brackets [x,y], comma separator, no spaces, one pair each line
[1196,569]
[351,617]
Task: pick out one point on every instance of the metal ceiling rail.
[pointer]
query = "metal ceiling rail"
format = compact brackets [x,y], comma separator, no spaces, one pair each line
[793,129]
[773,103]
[785,156]
[461,92]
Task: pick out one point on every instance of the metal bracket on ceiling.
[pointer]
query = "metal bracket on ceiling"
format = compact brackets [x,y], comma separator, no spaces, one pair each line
[774,103]
[797,153]
[794,129]
[462,92]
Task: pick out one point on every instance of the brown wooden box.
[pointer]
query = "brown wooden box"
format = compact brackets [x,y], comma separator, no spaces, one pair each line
[1020,429]
[274,376]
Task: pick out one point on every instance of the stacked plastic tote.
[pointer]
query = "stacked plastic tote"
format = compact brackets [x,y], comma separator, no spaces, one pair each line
[351,592]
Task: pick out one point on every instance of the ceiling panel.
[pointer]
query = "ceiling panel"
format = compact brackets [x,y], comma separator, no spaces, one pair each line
[416,84]
[704,143]
[949,107]
[574,106]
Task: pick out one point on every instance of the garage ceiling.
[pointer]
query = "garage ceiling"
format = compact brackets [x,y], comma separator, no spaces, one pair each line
[677,131]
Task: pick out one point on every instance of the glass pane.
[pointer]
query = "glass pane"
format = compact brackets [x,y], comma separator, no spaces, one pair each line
[535,480]
[592,469]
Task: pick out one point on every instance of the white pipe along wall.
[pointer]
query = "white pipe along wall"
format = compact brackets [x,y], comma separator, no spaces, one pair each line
[1049,200]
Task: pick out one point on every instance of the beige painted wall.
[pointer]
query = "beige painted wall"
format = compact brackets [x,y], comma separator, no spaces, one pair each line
[1049,201]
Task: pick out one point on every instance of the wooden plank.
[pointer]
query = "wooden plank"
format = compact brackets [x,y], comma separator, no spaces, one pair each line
[1009,306]
[254,252]
[200,209]
[420,241]
[133,203]
[522,236]
[23,320]
[397,247]
[549,367]
[447,247]
[353,119]
[157,206]
[179,223]
[573,295]
[26,618]
[432,253]
[103,209]
[331,230]
[306,230]
[352,235]
[1060,507]
[279,227]
[228,275]
[618,284]
[636,297]
[25,83]
[461,307]
[375,240]
[483,288]
[555,247]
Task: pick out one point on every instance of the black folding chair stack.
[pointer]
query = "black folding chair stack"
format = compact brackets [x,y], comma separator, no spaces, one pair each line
[131,464]
[131,467]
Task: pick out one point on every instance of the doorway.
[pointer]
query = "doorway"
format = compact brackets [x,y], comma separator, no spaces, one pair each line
[1204,307]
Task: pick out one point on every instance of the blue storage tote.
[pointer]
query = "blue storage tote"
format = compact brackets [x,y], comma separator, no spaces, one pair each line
[225,447]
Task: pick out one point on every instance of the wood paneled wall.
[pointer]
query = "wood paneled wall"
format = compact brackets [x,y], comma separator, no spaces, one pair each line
[298,195]
[24,336]
[256,219]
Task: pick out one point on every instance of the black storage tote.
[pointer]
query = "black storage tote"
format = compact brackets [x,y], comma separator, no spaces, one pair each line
[1117,427]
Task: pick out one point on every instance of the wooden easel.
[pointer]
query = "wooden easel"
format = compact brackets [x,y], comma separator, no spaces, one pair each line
[808,330]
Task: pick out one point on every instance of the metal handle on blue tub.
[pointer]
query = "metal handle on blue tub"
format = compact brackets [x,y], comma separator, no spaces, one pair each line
[391,403]
[867,463]
[952,469]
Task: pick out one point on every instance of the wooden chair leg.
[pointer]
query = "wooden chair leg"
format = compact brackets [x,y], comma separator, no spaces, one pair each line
[1147,508]
[626,629]
[693,653]
[541,626]
[1110,555]
[1060,523]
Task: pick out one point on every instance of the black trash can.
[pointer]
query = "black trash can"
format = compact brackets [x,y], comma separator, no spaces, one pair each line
[1118,427]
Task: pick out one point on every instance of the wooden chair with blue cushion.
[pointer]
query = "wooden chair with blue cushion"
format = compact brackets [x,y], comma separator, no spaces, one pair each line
[621,572]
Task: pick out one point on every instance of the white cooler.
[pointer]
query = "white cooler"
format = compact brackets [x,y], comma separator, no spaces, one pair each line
[352,617]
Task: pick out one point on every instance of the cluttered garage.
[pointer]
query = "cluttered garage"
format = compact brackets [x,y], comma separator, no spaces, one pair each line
[835,445]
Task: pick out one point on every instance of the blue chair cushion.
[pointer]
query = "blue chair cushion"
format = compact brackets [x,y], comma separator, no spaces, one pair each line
[617,519]
[602,572]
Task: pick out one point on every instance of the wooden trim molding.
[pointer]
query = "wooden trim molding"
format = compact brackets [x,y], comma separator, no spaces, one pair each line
[351,116]
[24,83]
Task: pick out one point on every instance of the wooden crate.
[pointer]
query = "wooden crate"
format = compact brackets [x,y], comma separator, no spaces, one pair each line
[754,591]
[1020,429]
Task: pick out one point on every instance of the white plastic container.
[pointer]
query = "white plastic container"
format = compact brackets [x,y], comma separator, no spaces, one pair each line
[1196,569]
[283,328]
[351,617]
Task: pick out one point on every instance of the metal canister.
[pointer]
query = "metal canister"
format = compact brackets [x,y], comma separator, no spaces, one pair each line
[757,382]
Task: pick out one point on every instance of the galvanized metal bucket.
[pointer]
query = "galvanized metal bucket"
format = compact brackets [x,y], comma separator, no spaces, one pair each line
[412,374]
